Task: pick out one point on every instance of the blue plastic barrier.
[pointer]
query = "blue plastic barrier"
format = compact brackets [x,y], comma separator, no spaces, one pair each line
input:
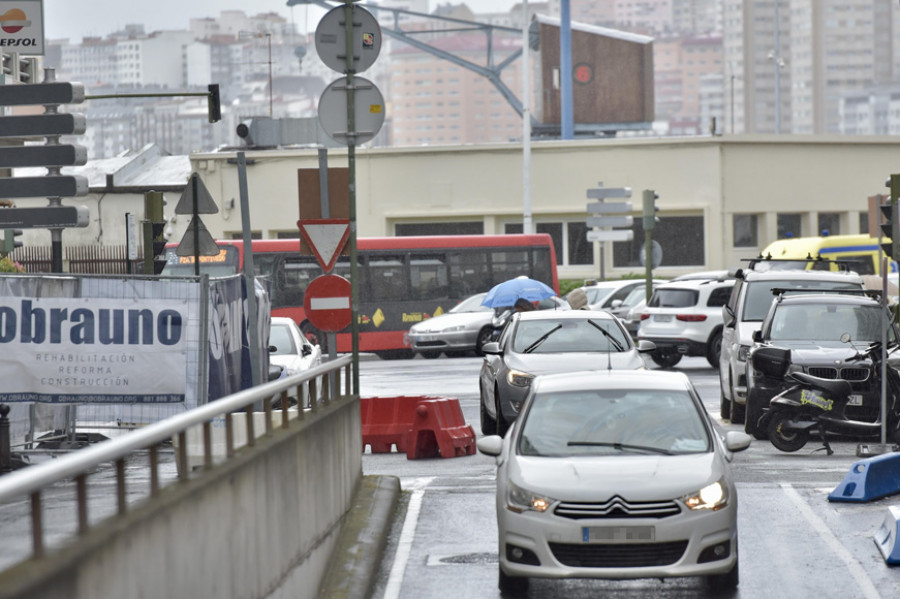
[870,479]
[886,536]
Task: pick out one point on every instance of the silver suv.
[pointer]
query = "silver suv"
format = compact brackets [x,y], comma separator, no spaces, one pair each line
[749,302]
[684,318]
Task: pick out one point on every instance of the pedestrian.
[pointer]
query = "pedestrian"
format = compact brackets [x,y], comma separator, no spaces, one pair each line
[523,305]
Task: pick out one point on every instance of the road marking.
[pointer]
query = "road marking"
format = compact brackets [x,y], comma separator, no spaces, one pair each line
[407,536]
[856,570]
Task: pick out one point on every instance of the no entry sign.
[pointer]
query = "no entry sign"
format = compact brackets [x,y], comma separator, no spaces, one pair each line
[327,303]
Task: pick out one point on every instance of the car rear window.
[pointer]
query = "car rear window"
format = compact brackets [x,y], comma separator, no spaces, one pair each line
[759,294]
[674,298]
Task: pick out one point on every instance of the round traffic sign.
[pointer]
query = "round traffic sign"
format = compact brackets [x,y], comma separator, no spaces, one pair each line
[656,254]
[368,110]
[331,39]
[327,303]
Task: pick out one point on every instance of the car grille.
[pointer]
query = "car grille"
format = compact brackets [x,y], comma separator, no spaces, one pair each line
[618,555]
[430,343]
[617,507]
[848,374]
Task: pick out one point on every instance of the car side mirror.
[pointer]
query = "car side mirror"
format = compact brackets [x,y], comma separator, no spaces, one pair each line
[728,315]
[757,336]
[615,303]
[645,346]
[272,349]
[492,348]
[307,349]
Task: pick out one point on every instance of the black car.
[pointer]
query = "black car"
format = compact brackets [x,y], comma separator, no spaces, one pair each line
[810,326]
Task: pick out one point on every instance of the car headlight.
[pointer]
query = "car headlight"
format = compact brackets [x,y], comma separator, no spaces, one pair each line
[517,378]
[743,352]
[454,329]
[710,497]
[522,500]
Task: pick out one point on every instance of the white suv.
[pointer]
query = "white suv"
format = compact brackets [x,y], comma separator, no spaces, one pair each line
[749,302]
[684,318]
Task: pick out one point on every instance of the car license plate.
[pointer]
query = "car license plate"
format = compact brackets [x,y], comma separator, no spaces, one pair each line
[855,400]
[618,534]
[662,318]
[425,338]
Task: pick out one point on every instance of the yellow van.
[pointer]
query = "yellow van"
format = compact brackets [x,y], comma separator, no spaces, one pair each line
[860,252]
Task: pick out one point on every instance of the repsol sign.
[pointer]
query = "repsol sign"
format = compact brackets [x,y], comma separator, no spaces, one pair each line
[89,326]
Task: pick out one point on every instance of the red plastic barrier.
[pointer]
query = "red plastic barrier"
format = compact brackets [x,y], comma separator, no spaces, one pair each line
[419,426]
[386,421]
[440,429]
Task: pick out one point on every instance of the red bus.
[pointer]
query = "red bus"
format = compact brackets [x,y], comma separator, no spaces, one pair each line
[403,280]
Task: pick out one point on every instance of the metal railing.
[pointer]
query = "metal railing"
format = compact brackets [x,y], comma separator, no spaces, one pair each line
[77,465]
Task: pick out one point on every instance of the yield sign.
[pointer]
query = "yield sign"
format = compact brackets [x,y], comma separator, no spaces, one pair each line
[326,237]
[195,189]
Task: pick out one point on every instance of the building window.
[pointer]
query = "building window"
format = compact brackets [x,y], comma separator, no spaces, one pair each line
[745,231]
[829,223]
[788,226]
[681,238]
[569,240]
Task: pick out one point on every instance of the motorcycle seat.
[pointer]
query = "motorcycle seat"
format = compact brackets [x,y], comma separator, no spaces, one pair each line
[833,387]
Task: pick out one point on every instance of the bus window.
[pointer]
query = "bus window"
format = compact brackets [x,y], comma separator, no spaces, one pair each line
[509,264]
[387,279]
[428,276]
[469,273]
[296,276]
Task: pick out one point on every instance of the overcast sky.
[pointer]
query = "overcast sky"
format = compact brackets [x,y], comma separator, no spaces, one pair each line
[75,19]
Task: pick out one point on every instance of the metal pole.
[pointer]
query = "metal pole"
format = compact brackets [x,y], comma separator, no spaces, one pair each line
[351,169]
[249,272]
[325,204]
[5,453]
[269,36]
[56,260]
[565,70]
[884,280]
[527,225]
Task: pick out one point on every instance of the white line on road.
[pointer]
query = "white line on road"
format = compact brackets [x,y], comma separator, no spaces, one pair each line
[407,536]
[856,570]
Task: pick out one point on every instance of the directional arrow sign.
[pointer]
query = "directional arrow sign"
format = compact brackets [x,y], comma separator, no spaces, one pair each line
[47,217]
[599,193]
[326,237]
[610,221]
[55,92]
[54,186]
[609,207]
[38,125]
[623,235]
[60,155]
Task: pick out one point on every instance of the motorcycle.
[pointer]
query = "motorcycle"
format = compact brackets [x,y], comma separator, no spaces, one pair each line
[813,404]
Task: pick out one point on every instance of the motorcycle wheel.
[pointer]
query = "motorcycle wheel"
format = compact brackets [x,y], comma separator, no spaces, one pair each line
[783,439]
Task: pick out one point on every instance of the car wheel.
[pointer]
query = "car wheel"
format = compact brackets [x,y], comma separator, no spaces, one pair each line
[738,412]
[484,336]
[665,359]
[724,582]
[724,402]
[502,424]
[511,586]
[430,355]
[488,423]
[714,349]
[783,439]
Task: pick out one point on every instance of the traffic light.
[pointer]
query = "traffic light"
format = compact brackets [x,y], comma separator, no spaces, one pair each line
[890,224]
[215,104]
[154,232]
[650,209]
[10,242]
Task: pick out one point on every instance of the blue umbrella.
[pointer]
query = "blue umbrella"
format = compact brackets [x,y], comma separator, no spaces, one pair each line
[507,292]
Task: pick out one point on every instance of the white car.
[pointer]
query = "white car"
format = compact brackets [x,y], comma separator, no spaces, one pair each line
[291,350]
[615,475]
[609,295]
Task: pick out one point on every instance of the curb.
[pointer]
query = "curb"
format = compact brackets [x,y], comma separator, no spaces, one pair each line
[360,546]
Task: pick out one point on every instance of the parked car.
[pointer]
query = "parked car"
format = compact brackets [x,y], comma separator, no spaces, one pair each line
[750,300]
[810,325]
[609,295]
[291,350]
[684,318]
[547,341]
[457,331]
[615,475]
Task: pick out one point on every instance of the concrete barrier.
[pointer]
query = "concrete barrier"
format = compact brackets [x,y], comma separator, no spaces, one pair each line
[886,536]
[869,479]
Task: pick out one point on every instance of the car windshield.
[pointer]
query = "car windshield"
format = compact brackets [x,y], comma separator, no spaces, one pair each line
[635,297]
[827,322]
[569,335]
[759,294]
[471,304]
[597,294]
[613,422]
[280,337]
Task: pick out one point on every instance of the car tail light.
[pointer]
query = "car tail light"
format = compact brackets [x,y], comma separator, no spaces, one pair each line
[691,317]
[645,316]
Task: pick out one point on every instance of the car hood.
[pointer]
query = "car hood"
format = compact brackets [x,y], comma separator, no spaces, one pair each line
[293,364]
[569,361]
[630,476]
[446,321]
[804,352]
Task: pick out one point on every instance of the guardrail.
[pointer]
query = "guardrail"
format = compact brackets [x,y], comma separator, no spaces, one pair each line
[77,465]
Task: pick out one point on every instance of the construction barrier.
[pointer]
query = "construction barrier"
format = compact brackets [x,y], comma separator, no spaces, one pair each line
[886,536]
[420,426]
[870,479]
